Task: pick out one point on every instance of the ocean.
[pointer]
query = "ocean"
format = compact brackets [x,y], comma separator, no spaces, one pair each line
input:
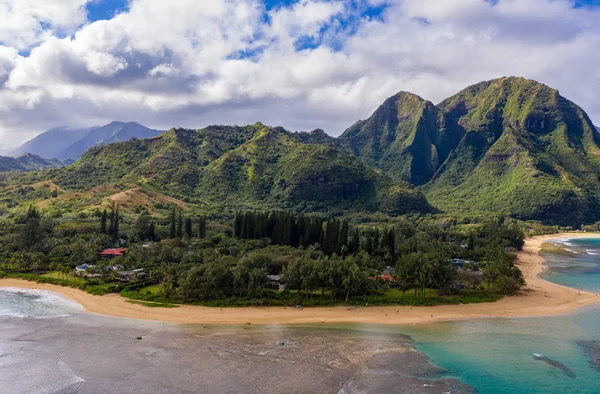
[47,345]
[503,355]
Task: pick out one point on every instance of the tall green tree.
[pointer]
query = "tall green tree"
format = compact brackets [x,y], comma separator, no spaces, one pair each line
[103,219]
[180,225]
[188,227]
[32,233]
[202,227]
[173,232]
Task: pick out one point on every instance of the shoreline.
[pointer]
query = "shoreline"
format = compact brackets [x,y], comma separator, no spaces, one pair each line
[538,298]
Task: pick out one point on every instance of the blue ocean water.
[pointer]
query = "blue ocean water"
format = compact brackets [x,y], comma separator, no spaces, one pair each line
[497,355]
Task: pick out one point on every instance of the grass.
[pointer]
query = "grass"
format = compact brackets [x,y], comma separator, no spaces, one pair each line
[81,284]
[152,290]
[153,304]
[152,294]
[61,276]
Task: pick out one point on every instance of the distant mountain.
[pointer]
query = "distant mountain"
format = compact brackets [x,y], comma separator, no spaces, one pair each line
[66,143]
[243,167]
[511,146]
[28,162]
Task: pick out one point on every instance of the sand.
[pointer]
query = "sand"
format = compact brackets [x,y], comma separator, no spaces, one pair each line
[539,298]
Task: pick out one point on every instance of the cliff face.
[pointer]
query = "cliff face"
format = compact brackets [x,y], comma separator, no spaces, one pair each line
[511,146]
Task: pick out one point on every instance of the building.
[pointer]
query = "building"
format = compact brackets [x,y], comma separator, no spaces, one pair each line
[128,276]
[274,281]
[460,263]
[112,253]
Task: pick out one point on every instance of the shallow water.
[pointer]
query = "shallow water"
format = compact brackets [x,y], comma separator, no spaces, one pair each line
[97,354]
[497,355]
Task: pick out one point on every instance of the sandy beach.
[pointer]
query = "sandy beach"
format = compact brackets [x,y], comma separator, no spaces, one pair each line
[539,298]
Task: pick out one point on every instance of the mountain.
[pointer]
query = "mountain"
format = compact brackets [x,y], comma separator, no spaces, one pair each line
[511,146]
[241,167]
[400,138]
[112,132]
[50,143]
[67,143]
[27,162]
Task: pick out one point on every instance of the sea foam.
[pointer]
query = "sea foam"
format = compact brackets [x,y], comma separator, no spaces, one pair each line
[17,302]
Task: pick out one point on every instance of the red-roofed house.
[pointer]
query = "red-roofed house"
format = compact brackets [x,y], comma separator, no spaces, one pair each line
[113,252]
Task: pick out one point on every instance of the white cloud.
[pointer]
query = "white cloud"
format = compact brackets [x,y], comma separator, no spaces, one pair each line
[27,22]
[226,61]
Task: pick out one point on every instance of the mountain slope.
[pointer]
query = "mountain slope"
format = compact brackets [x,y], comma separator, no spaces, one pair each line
[510,146]
[27,162]
[112,132]
[401,138]
[67,143]
[525,150]
[50,143]
[241,167]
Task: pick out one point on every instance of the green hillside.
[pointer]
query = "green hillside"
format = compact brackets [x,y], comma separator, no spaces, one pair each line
[510,146]
[27,162]
[240,167]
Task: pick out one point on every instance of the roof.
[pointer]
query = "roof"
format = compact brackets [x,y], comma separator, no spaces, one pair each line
[113,252]
[385,277]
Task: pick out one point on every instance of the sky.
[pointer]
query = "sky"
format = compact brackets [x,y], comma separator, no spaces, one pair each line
[300,64]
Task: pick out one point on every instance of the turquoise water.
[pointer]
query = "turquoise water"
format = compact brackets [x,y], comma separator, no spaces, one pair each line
[497,355]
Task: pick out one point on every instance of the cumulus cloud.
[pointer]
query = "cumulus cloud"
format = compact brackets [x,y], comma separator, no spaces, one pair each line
[313,63]
[26,22]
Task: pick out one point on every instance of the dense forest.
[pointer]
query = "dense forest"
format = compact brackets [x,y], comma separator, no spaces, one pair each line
[270,258]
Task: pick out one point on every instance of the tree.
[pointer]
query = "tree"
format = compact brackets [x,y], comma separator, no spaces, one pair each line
[173,232]
[258,278]
[240,277]
[55,192]
[152,232]
[180,225]
[111,226]
[142,227]
[292,276]
[188,227]
[115,234]
[103,219]
[32,233]
[202,227]
[406,269]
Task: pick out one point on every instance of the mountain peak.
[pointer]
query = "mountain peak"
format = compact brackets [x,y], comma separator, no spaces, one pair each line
[481,148]
[64,142]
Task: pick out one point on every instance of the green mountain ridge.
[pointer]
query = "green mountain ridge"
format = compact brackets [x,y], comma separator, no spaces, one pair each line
[28,162]
[243,168]
[511,146]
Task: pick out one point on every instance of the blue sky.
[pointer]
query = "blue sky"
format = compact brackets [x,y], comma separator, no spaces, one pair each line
[105,9]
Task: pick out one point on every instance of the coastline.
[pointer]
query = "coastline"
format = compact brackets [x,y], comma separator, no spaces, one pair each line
[539,298]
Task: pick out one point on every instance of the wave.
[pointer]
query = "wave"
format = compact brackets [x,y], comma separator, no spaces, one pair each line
[564,241]
[21,303]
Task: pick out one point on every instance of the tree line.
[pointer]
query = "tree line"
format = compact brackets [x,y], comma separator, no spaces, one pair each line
[333,236]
